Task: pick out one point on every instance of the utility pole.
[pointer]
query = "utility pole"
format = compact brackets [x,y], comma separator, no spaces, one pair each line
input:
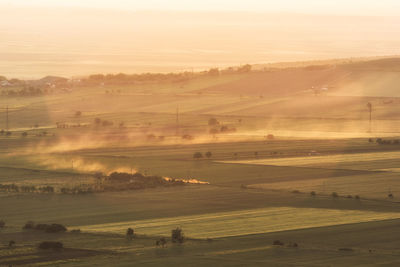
[7,118]
[177,120]
[369,105]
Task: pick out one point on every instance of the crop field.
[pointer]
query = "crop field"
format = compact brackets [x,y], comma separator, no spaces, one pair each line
[225,224]
[332,161]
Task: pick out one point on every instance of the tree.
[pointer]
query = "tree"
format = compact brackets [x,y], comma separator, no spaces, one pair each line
[97,77]
[224,128]
[208,154]
[213,122]
[106,123]
[213,72]
[130,233]
[197,155]
[278,243]
[24,134]
[11,244]
[270,137]
[245,68]
[177,235]
[78,114]
[161,242]
[29,225]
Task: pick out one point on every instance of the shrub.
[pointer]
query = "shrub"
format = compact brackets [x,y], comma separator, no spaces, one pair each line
[208,154]
[313,193]
[349,196]
[346,249]
[106,123]
[75,231]
[11,244]
[55,228]
[296,192]
[51,245]
[187,137]
[24,134]
[177,235]
[278,243]
[357,197]
[29,225]
[197,155]
[390,195]
[2,224]
[335,195]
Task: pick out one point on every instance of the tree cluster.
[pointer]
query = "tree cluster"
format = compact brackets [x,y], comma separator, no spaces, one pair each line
[48,228]
[13,188]
[381,141]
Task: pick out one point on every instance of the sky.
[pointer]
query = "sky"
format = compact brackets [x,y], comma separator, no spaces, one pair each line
[337,7]
[80,37]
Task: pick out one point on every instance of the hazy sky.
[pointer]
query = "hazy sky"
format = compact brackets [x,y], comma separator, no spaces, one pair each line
[347,7]
[38,38]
